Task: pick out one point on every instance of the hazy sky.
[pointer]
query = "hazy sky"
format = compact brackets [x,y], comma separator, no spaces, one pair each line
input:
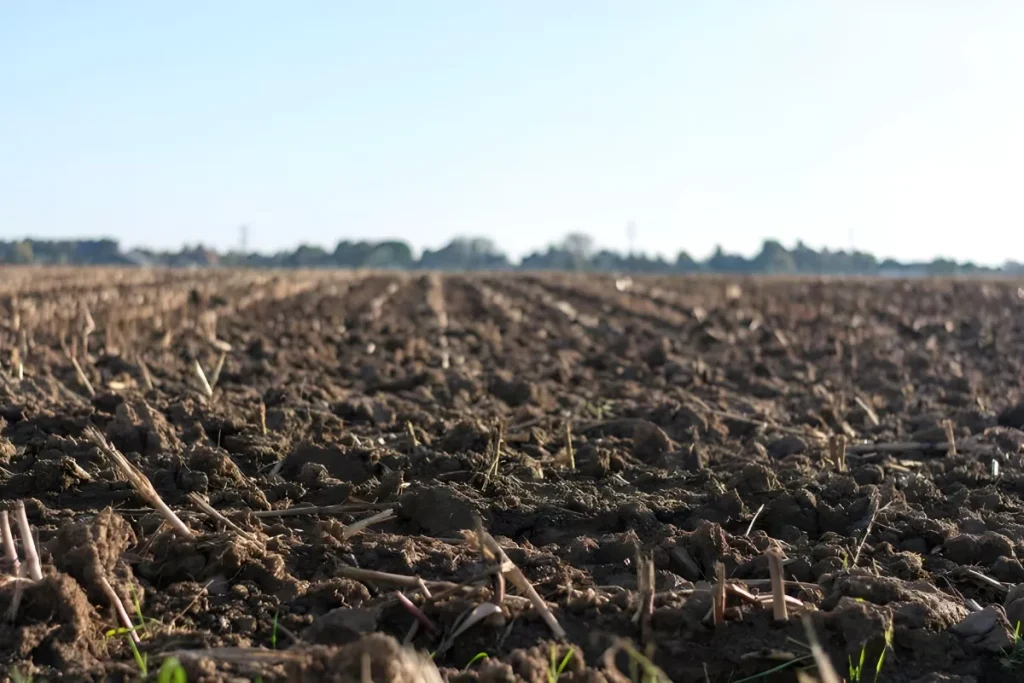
[897,125]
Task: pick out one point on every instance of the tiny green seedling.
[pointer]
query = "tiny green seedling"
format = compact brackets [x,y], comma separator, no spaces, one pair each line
[856,670]
[1013,658]
[642,669]
[171,671]
[18,677]
[273,634]
[557,668]
[141,658]
[137,604]
[888,646]
[479,657]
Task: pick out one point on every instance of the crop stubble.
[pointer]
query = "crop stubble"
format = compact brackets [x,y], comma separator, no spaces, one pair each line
[377,432]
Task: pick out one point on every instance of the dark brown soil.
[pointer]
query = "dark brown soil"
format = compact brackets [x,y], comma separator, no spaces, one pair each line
[704,416]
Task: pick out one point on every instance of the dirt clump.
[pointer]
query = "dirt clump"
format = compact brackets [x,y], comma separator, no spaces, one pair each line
[385,658]
[55,627]
[93,550]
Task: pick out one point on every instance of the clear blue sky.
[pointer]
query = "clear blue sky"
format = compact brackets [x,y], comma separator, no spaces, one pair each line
[899,125]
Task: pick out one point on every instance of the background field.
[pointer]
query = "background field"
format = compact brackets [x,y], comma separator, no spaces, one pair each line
[603,430]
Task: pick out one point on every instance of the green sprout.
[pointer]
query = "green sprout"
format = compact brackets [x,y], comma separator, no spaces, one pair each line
[480,656]
[888,646]
[171,671]
[141,658]
[273,634]
[129,633]
[856,671]
[557,668]
[641,668]
[137,604]
[1014,657]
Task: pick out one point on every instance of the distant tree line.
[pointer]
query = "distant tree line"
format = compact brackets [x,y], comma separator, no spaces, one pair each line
[574,252]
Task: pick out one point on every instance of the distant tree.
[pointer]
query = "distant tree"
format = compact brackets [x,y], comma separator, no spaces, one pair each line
[309,256]
[22,252]
[575,251]
[721,262]
[391,254]
[93,251]
[774,258]
[685,263]
[806,259]
[465,253]
[580,247]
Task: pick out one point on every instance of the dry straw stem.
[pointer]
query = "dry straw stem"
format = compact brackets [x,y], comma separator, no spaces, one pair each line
[205,506]
[497,442]
[947,425]
[568,446]
[138,480]
[867,532]
[365,668]
[19,592]
[16,365]
[28,543]
[399,580]
[83,380]
[361,525]
[826,671]
[519,580]
[897,447]
[88,327]
[645,587]
[10,552]
[220,345]
[987,580]
[215,377]
[122,614]
[778,586]
[416,612]
[476,578]
[147,378]
[262,414]
[339,509]
[837,451]
[754,520]
[868,410]
[204,384]
[718,596]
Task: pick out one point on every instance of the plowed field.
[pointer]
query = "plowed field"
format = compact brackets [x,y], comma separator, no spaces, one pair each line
[519,477]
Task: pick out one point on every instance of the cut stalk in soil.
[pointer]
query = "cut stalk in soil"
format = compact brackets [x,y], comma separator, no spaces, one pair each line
[28,543]
[138,480]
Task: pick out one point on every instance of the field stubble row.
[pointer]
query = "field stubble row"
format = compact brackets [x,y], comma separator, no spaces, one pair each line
[584,477]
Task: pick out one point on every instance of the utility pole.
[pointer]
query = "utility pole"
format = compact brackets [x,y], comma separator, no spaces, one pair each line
[244,238]
[631,236]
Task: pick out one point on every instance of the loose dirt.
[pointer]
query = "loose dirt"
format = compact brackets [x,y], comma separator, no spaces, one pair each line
[625,442]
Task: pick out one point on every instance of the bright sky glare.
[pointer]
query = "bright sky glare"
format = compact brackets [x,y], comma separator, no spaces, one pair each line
[897,127]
